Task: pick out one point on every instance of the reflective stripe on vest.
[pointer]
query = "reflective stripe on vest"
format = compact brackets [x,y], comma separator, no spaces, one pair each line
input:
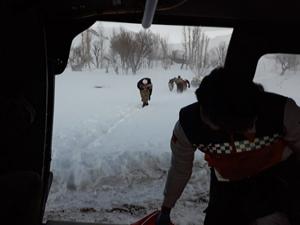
[244,159]
[239,146]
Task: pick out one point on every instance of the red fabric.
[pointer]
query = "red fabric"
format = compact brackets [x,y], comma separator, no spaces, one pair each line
[148,220]
[240,165]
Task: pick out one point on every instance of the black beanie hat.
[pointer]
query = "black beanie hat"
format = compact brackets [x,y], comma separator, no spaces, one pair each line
[228,103]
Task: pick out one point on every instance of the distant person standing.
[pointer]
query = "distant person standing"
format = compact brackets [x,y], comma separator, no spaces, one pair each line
[181,84]
[145,87]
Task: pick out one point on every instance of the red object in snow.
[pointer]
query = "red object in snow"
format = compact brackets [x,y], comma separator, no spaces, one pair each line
[149,219]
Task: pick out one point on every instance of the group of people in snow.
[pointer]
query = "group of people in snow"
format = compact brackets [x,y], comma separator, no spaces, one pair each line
[145,87]
[181,84]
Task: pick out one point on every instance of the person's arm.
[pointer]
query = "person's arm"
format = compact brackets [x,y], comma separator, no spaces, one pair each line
[179,173]
[292,126]
[140,84]
[181,166]
[150,90]
[149,86]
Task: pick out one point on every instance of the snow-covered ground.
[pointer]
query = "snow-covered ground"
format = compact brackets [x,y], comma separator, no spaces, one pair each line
[111,156]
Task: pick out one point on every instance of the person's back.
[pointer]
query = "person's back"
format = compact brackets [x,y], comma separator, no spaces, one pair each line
[180,84]
[145,87]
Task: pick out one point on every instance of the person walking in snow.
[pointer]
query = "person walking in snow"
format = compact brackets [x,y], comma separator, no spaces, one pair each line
[181,84]
[145,87]
[251,141]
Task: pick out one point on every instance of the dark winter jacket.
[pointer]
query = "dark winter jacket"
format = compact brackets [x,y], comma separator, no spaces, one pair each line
[147,86]
[142,86]
[235,157]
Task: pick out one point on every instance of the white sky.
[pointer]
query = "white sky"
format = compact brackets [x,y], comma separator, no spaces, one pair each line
[109,152]
[173,33]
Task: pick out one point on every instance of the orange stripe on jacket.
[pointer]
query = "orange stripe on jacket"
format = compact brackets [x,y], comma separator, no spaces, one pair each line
[239,165]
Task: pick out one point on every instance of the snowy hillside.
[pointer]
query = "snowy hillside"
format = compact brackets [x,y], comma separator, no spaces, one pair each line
[111,154]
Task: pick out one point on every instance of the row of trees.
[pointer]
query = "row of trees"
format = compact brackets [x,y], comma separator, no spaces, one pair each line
[287,62]
[90,51]
[130,51]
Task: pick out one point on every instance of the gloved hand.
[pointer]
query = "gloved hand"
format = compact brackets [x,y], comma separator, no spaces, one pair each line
[163,217]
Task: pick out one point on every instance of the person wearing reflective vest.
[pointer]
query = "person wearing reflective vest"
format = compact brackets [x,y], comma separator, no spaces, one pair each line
[251,142]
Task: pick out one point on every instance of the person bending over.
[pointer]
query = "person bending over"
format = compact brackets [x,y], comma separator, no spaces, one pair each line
[251,141]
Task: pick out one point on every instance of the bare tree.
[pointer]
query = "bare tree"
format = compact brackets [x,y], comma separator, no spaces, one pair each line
[86,47]
[178,56]
[96,53]
[200,60]
[188,44]
[142,48]
[80,55]
[185,44]
[154,54]
[218,54]
[76,60]
[121,44]
[112,59]
[287,62]
[195,44]
[132,48]
[98,48]
[165,61]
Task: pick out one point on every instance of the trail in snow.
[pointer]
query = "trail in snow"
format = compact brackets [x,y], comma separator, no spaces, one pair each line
[114,156]
[123,115]
[111,156]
